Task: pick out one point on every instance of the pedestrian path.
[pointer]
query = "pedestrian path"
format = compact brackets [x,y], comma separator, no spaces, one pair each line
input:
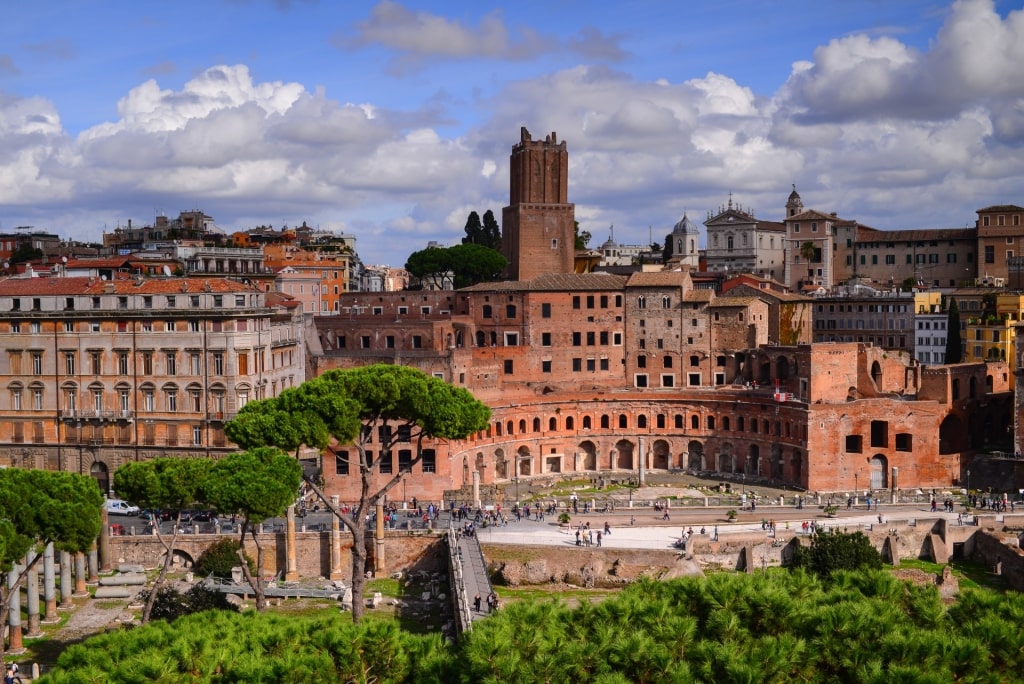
[474,575]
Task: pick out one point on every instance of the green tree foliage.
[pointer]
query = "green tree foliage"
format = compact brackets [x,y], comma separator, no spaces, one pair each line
[464,265]
[170,604]
[832,551]
[486,234]
[26,252]
[256,484]
[162,483]
[863,626]
[954,345]
[582,237]
[220,557]
[40,507]
[349,406]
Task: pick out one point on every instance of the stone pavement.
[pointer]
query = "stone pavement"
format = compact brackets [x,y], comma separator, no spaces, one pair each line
[474,573]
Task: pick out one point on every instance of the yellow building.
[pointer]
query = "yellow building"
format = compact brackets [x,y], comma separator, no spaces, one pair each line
[990,336]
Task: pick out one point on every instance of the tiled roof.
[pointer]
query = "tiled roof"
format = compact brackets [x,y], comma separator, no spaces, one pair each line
[1001,207]
[865,234]
[554,282]
[698,296]
[812,214]
[658,279]
[28,287]
[733,301]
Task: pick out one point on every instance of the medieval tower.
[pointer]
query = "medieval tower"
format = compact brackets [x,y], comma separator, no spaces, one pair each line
[538,235]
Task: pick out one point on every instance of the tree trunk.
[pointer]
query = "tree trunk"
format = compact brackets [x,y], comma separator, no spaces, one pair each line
[257,582]
[168,559]
[358,568]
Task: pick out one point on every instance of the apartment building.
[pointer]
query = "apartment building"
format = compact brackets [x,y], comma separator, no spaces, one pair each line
[100,372]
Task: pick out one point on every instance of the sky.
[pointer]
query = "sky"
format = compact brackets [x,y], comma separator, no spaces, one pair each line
[393,121]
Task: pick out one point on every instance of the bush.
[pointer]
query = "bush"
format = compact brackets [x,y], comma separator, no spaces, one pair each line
[832,551]
[220,558]
[171,604]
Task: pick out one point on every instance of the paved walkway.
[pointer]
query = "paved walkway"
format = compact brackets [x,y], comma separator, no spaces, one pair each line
[474,573]
[650,531]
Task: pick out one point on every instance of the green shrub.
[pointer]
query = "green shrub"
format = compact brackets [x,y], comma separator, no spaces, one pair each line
[220,558]
[171,604]
[832,551]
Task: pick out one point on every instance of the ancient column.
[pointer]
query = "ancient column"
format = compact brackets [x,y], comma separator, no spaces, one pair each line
[94,565]
[336,572]
[49,587]
[80,589]
[379,566]
[642,457]
[895,484]
[14,612]
[32,590]
[291,573]
[105,542]
[476,488]
[65,581]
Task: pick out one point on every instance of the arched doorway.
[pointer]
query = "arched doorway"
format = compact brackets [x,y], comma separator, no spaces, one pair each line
[726,463]
[753,464]
[776,461]
[952,435]
[500,464]
[695,460]
[876,375]
[782,368]
[99,472]
[879,474]
[524,461]
[589,450]
[624,459]
[798,466]
[661,454]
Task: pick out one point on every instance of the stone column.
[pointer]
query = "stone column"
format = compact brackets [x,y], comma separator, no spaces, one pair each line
[336,571]
[894,484]
[80,589]
[65,581]
[291,573]
[379,566]
[32,590]
[14,612]
[49,587]
[105,542]
[476,488]
[641,462]
[94,566]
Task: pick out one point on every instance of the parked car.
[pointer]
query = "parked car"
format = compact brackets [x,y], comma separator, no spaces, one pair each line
[121,507]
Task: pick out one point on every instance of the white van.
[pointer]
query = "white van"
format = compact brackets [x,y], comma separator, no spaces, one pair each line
[121,507]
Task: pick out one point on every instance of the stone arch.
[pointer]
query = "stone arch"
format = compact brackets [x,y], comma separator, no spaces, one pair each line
[536,424]
[524,461]
[782,368]
[589,450]
[522,426]
[879,466]
[179,558]
[481,339]
[765,372]
[797,465]
[624,455]
[586,423]
[695,456]
[552,424]
[752,466]
[570,423]
[775,462]
[876,375]
[661,452]
[726,462]
[101,473]
[952,434]
[500,464]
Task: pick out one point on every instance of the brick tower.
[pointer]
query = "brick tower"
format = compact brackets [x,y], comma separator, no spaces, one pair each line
[538,234]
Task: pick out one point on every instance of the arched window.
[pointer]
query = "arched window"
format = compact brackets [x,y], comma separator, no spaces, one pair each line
[508,427]
[725,422]
[739,423]
[711,422]
[552,423]
[522,425]
[695,422]
[481,339]
[641,421]
[605,422]
[586,423]
[570,424]
[679,421]
[623,421]
[536,424]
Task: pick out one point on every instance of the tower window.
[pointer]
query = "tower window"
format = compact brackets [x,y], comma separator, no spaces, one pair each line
[554,243]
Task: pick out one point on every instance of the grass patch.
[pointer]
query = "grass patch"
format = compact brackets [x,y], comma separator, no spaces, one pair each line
[385,585]
[969,575]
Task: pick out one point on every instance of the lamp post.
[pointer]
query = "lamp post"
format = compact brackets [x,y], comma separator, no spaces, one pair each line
[856,487]
[405,499]
[968,482]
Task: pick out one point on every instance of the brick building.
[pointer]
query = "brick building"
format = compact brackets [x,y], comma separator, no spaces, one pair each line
[100,372]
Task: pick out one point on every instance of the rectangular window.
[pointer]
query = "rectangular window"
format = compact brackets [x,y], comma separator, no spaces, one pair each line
[172,401]
[577,339]
[545,310]
[197,435]
[405,460]
[122,363]
[37,363]
[417,342]
[341,463]
[591,338]
[545,366]
[507,366]
[429,461]
[576,302]
[218,363]
[577,365]
[545,339]
[604,364]
[69,363]
[387,463]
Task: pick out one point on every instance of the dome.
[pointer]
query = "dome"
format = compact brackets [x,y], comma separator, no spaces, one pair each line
[609,244]
[685,225]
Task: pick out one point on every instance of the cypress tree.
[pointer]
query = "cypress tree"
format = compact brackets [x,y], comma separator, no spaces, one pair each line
[954,347]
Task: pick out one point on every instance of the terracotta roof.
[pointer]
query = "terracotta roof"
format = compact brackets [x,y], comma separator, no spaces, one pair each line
[733,301]
[1001,207]
[103,262]
[28,287]
[812,214]
[698,296]
[772,226]
[554,282]
[658,279]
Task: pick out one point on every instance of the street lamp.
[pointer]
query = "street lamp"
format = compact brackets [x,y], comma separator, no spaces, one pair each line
[968,482]
[856,487]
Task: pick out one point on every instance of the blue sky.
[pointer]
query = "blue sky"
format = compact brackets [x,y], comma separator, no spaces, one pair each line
[393,120]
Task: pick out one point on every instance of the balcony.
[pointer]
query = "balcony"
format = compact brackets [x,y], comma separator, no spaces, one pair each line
[96,415]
